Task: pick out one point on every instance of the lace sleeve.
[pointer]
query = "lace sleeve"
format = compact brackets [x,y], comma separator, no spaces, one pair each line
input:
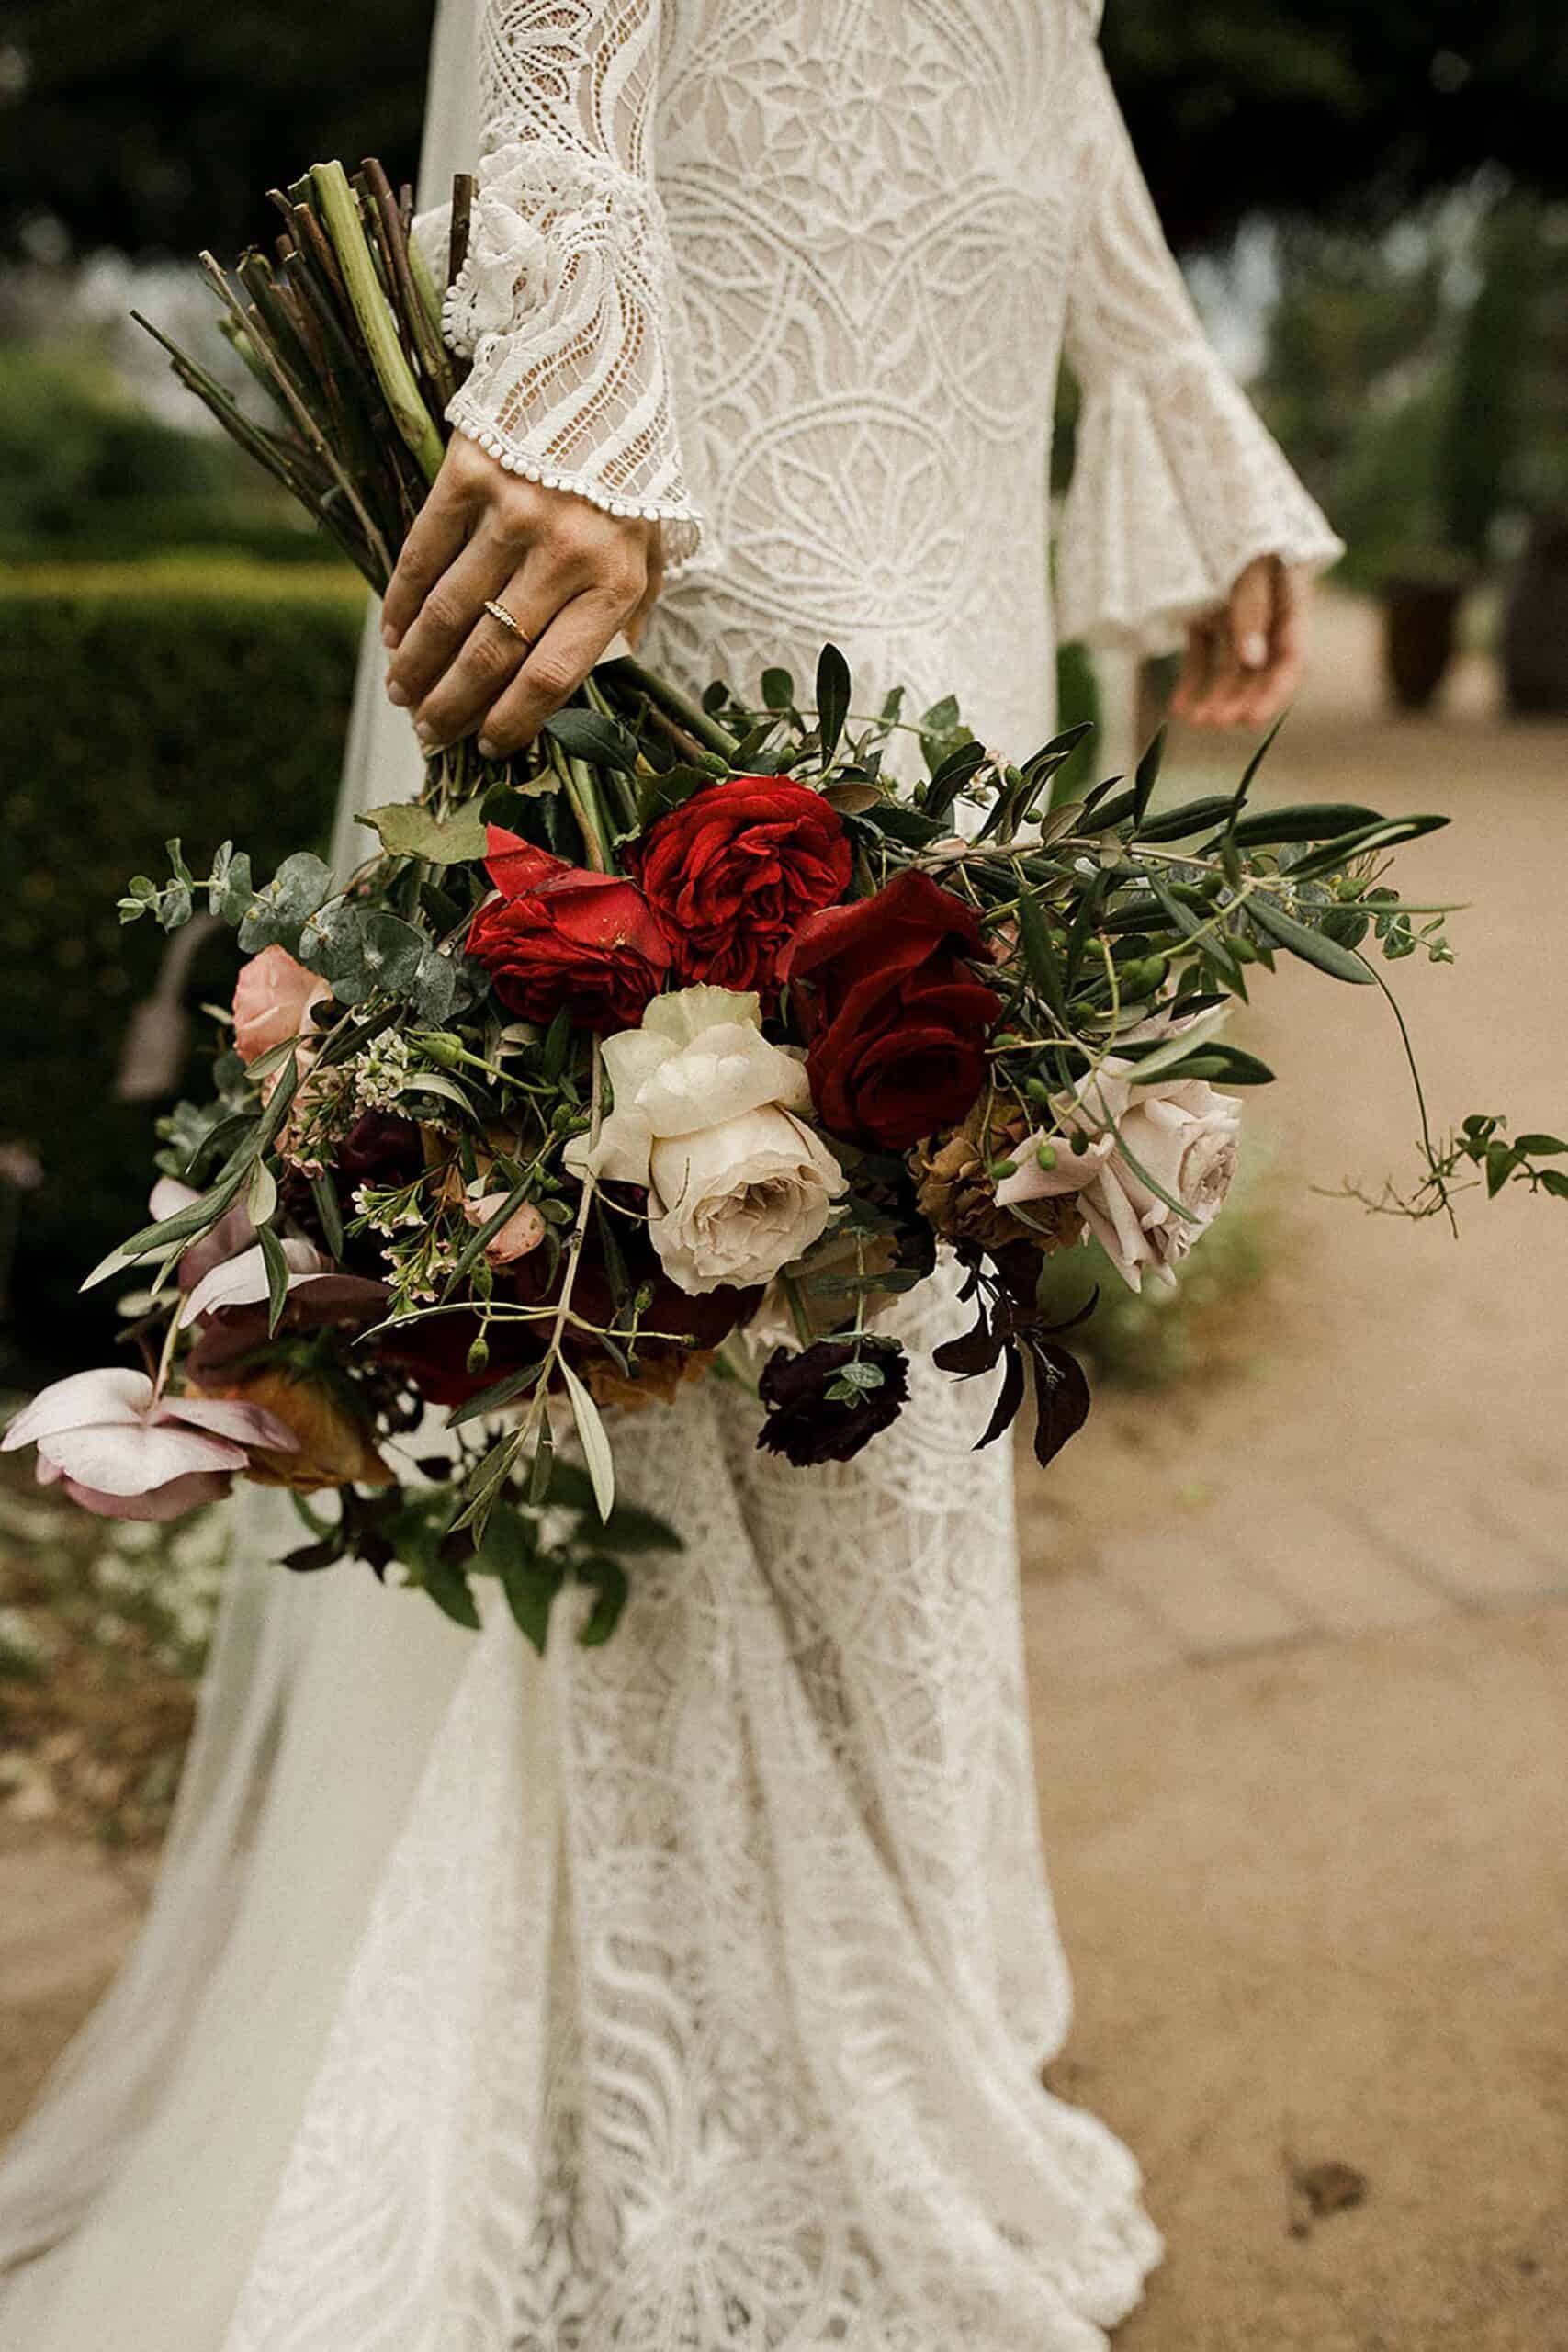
[1177,486]
[563,301]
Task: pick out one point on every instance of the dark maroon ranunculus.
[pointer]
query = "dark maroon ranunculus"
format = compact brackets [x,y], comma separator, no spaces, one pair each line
[817,1409]
[897,1021]
[559,936]
[733,871]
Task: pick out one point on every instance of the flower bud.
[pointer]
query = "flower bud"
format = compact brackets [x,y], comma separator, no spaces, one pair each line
[438,1045]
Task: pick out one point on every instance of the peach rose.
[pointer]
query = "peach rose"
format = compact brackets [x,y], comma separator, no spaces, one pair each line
[273,998]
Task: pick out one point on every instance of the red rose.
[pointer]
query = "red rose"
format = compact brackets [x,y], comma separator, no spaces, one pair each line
[559,936]
[732,871]
[897,1020]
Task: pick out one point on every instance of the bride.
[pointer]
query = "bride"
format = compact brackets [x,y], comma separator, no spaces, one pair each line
[690,1994]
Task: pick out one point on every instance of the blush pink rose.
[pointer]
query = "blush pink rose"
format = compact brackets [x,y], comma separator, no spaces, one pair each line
[273,998]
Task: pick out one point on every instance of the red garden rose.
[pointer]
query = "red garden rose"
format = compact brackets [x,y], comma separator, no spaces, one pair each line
[559,934]
[732,871]
[897,1020]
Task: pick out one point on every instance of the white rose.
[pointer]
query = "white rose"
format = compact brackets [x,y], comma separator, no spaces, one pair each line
[1182,1132]
[708,1116]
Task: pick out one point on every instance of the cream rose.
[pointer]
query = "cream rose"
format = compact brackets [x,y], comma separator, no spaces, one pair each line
[1181,1132]
[709,1117]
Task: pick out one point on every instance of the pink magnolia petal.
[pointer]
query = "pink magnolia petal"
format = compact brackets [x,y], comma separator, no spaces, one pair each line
[168,1196]
[45,1472]
[223,1417]
[241,1280]
[135,1460]
[164,1502]
[233,1233]
[115,1393]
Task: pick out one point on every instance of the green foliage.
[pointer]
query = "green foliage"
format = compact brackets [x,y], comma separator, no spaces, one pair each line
[140,702]
[85,470]
[163,134]
[1332,109]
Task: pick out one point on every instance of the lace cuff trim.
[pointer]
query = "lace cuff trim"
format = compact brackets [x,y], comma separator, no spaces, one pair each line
[1177,487]
[562,305]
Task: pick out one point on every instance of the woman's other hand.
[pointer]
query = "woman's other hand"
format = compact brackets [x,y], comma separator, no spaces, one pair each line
[570,575]
[1245,661]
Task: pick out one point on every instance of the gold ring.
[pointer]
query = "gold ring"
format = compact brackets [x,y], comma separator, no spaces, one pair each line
[497,612]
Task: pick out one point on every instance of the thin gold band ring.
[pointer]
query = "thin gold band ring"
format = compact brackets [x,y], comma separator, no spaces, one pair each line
[497,612]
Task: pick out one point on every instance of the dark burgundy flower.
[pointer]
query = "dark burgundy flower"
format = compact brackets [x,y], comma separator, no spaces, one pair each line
[821,1404]
[897,1021]
[559,936]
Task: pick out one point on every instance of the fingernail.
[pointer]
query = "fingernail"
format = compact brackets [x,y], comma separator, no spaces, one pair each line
[428,735]
[396,696]
[1254,651]
[486,749]
[391,638]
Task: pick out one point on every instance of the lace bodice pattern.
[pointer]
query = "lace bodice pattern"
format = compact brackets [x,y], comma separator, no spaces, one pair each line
[796,280]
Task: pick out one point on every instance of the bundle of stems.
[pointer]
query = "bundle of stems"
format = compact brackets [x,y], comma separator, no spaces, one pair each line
[341,327]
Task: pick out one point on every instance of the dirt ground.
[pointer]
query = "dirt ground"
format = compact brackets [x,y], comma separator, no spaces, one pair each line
[1299,1640]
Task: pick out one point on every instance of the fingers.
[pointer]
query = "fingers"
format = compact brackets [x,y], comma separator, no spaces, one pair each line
[1251,613]
[1255,651]
[446,619]
[651,594]
[1193,684]
[439,530]
[553,671]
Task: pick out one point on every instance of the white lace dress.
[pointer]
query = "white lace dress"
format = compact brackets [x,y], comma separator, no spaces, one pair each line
[690,1994]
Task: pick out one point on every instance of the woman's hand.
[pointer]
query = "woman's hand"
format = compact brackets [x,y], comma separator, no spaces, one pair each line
[570,575]
[1243,662]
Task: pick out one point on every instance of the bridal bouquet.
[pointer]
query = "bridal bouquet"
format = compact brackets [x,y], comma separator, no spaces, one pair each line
[677,1046]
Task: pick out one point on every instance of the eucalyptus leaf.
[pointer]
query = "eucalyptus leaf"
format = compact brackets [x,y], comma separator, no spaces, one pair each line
[278,911]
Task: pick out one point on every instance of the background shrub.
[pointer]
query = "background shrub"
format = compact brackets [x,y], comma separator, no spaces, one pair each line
[195,698]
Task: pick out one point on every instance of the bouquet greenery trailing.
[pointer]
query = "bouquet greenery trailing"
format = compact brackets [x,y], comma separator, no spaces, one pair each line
[696,1021]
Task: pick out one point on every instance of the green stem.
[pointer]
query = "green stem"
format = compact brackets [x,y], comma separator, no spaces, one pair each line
[691,714]
[377,323]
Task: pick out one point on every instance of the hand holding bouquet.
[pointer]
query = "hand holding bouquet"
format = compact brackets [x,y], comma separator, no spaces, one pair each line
[691,1017]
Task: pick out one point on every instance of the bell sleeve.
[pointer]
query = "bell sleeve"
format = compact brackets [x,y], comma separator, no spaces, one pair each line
[563,304]
[1176,485]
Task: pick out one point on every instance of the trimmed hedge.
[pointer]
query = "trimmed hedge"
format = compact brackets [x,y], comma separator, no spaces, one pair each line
[192,697]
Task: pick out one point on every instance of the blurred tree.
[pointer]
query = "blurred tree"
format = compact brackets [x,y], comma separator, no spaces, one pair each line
[155,122]
[159,123]
[1335,108]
